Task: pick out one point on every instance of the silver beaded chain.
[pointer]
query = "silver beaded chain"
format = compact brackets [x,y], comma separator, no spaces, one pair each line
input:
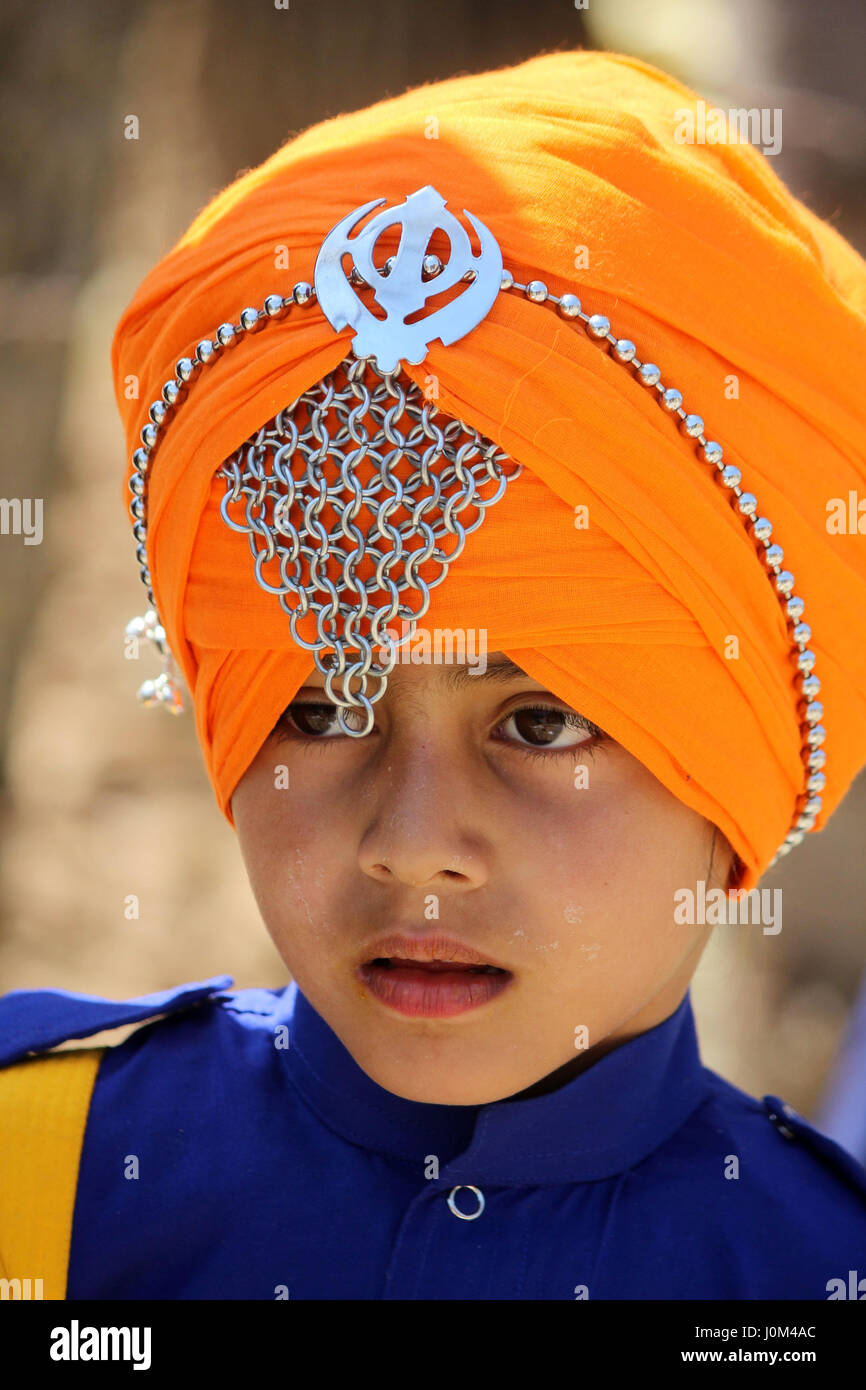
[165,689]
[760,528]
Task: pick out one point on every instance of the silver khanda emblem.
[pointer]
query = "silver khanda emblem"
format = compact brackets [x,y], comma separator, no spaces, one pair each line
[404,282]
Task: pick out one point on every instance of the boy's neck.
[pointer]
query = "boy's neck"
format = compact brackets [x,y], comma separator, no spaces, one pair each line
[662,1004]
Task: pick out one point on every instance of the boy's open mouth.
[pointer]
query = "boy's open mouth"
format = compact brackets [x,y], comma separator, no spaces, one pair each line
[435,966]
[429,977]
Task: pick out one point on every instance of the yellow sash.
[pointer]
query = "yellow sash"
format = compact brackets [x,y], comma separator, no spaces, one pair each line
[43,1112]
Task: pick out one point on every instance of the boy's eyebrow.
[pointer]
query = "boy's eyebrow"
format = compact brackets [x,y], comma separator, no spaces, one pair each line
[458,677]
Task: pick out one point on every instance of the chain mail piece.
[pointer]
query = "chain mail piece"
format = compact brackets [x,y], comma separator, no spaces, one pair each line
[345,495]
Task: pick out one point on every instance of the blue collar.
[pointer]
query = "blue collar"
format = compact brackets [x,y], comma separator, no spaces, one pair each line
[604,1120]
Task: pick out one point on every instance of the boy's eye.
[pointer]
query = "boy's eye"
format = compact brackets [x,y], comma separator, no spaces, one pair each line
[545,726]
[319,720]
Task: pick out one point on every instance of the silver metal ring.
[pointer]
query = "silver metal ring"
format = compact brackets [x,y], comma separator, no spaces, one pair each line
[466,1216]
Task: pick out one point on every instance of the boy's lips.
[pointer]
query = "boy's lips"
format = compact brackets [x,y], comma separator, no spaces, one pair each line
[426,950]
[430,976]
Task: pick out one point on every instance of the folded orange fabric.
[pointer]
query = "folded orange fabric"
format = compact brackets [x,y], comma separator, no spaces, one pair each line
[697,253]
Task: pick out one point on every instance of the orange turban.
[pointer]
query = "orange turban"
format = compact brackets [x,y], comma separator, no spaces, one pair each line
[752,308]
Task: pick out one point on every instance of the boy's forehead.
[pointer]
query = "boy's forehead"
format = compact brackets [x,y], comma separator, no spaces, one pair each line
[456,675]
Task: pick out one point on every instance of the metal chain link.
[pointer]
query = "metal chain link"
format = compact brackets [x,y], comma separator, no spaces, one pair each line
[297,489]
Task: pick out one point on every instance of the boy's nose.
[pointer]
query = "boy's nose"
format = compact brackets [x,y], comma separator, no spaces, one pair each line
[424,828]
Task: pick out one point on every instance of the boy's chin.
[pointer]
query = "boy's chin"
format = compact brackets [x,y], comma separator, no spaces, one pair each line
[438,1089]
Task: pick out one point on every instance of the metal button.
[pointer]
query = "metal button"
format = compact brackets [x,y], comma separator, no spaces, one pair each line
[783,1129]
[466,1216]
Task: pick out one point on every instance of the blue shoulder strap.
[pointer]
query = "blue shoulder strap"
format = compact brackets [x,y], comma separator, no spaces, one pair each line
[791,1125]
[34,1020]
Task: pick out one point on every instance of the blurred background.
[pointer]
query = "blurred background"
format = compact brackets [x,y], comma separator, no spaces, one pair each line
[100,799]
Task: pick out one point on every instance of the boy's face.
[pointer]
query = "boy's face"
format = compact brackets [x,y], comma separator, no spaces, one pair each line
[482,810]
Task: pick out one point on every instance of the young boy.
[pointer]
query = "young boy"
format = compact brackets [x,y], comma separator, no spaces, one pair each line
[495,654]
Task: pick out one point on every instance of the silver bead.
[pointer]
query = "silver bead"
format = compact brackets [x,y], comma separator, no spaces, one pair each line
[303,293]
[186,368]
[817,782]
[795,608]
[206,351]
[692,425]
[712,452]
[672,399]
[762,528]
[731,476]
[624,350]
[135,627]
[506,280]
[794,838]
[747,503]
[802,634]
[816,735]
[809,686]
[816,758]
[784,582]
[158,412]
[805,822]
[148,436]
[536,290]
[774,555]
[274,306]
[171,392]
[225,335]
[431,264]
[813,806]
[814,712]
[598,326]
[569,306]
[168,693]
[469,275]
[649,374]
[140,460]
[805,661]
[146,693]
[250,320]
[356,279]
[136,484]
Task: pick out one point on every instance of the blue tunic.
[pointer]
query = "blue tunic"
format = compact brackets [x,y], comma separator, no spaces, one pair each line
[234,1149]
